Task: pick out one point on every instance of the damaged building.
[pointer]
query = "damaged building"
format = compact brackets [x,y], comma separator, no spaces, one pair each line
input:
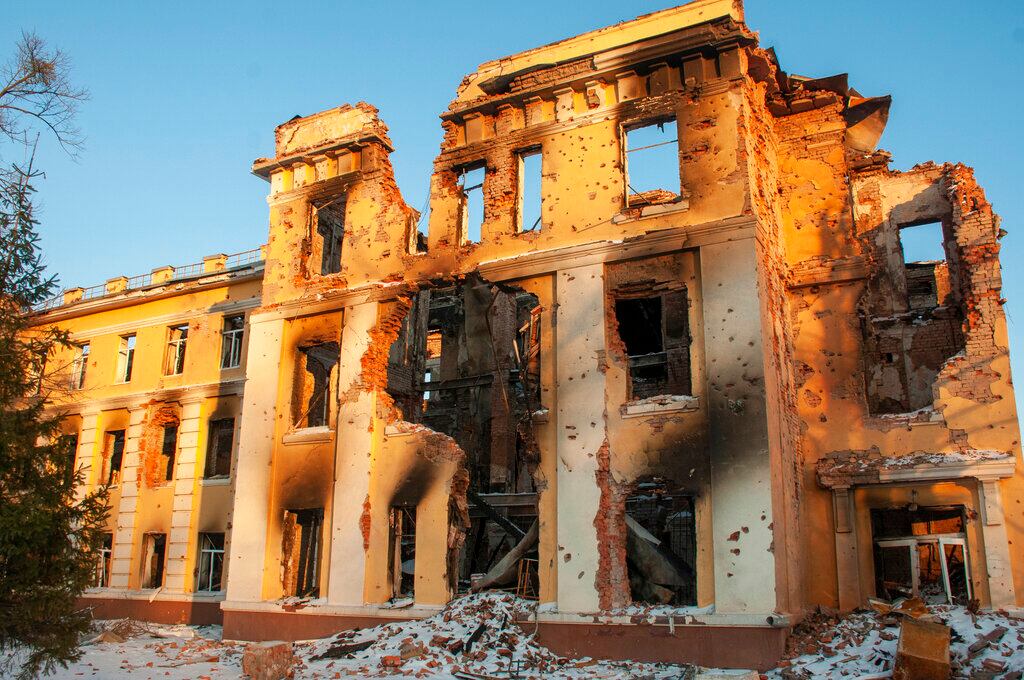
[673,352]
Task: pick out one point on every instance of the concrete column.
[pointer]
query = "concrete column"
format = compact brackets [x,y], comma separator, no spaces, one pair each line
[86,453]
[252,477]
[579,348]
[741,497]
[997,548]
[847,564]
[124,539]
[177,578]
[352,460]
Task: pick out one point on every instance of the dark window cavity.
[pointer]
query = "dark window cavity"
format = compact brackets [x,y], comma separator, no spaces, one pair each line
[471,183]
[656,333]
[218,447]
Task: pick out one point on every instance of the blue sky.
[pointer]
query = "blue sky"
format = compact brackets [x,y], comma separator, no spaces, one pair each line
[185,95]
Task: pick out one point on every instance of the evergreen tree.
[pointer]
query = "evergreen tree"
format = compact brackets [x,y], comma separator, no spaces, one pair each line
[49,537]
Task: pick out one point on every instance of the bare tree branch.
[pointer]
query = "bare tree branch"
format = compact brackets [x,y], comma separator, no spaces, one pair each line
[35,88]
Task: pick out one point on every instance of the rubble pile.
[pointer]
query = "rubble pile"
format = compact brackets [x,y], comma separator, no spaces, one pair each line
[474,637]
[865,643]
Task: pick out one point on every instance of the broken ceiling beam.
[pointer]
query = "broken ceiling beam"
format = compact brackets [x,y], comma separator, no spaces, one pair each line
[495,516]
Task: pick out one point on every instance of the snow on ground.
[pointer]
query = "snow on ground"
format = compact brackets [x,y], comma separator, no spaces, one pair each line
[428,648]
[863,645]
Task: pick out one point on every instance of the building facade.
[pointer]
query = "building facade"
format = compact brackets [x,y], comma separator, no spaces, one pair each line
[673,351]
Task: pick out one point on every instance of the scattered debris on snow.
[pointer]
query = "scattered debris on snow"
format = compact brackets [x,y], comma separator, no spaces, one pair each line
[864,644]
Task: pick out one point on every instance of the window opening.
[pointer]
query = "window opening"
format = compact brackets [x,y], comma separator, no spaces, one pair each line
[168,450]
[231,341]
[102,578]
[218,448]
[432,361]
[530,200]
[302,556]
[402,550]
[924,262]
[315,393]
[177,337]
[79,367]
[114,455]
[661,545]
[652,163]
[921,552]
[125,358]
[330,227]
[211,562]
[154,550]
[655,331]
[471,183]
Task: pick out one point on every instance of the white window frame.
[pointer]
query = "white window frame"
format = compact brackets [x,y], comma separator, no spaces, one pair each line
[125,358]
[106,558]
[176,350]
[942,541]
[232,339]
[212,552]
[80,366]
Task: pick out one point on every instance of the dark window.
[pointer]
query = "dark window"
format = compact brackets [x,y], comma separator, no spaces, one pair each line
[218,447]
[211,562]
[315,395]
[306,555]
[154,551]
[115,454]
[80,366]
[170,447]
[471,183]
[402,550]
[330,227]
[656,333]
[661,546]
[69,444]
[102,579]
[231,341]
[652,163]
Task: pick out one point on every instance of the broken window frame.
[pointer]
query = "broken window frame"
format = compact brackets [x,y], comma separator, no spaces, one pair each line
[211,563]
[218,460]
[401,548]
[153,567]
[330,232]
[633,197]
[671,345]
[521,195]
[307,575]
[916,297]
[177,342]
[232,334]
[104,561]
[125,357]
[681,543]
[466,199]
[113,455]
[80,366]
[317,409]
[169,449]
[914,542]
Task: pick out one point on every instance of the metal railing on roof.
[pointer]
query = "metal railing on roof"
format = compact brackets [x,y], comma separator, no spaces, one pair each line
[233,261]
